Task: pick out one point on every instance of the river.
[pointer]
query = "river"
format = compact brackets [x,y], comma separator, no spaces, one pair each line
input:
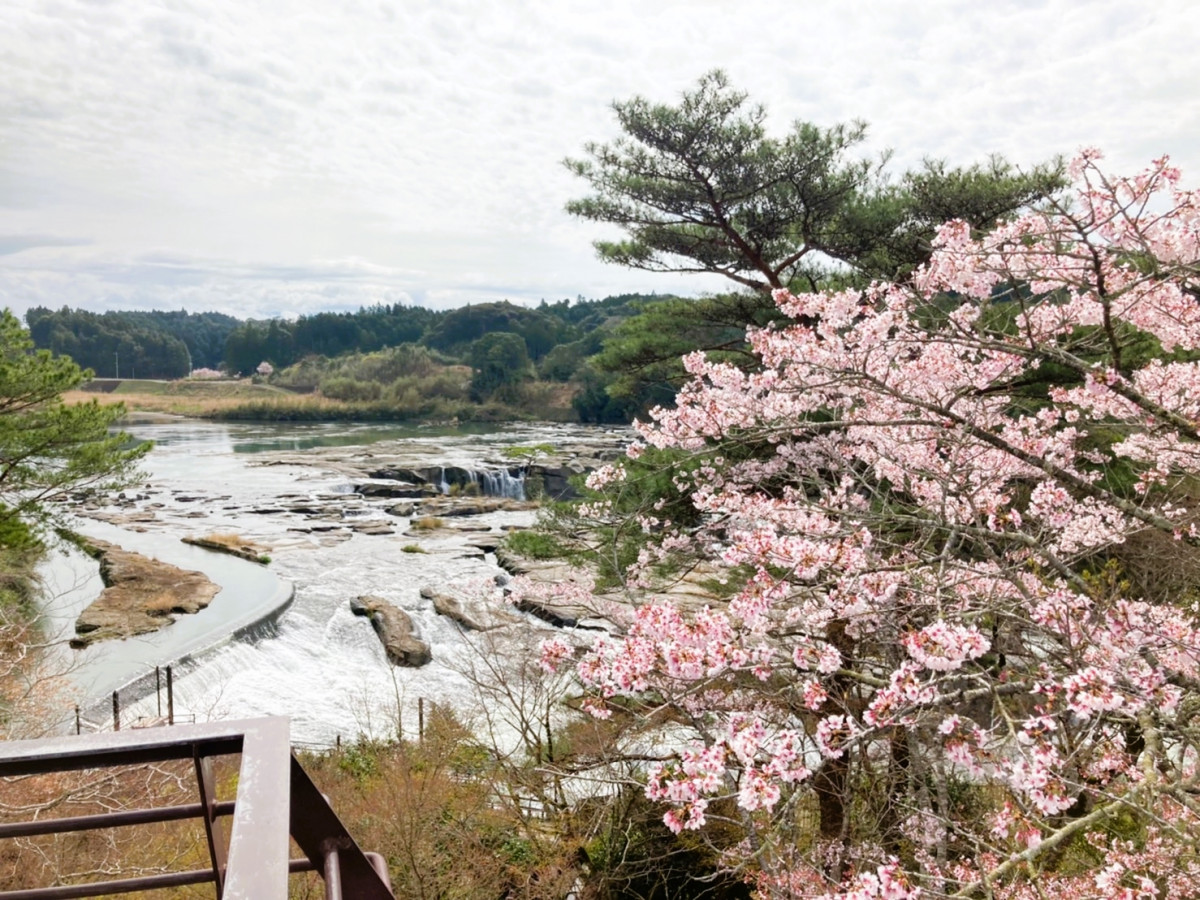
[316,662]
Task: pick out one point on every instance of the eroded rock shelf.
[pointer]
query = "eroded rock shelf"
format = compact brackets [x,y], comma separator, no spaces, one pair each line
[140,596]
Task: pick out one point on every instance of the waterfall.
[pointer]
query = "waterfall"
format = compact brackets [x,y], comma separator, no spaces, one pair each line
[502,483]
[487,482]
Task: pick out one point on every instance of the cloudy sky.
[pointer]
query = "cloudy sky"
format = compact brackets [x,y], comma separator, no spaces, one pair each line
[264,157]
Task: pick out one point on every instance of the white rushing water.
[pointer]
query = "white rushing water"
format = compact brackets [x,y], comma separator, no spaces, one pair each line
[318,664]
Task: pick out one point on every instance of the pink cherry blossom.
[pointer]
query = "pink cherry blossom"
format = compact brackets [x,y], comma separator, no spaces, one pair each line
[922,500]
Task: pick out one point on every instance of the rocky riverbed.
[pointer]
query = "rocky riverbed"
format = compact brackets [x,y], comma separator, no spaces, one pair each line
[392,488]
[430,480]
[342,515]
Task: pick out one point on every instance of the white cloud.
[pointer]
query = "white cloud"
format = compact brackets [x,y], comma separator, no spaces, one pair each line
[299,156]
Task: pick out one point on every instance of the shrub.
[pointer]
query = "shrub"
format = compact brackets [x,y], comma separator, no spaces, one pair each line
[536,545]
[351,390]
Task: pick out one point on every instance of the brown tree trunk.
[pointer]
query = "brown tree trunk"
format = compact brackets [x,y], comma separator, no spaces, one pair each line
[831,779]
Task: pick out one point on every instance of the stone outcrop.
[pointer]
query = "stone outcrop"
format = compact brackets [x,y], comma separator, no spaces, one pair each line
[428,476]
[395,491]
[554,478]
[418,483]
[243,549]
[375,528]
[445,507]
[395,630]
[513,563]
[141,595]
[692,590]
[488,542]
[473,615]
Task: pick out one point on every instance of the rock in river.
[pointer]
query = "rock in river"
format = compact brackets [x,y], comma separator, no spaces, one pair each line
[231,544]
[141,595]
[472,615]
[395,629]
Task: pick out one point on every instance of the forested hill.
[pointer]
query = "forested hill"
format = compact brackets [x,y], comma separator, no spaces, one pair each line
[558,336]
[452,332]
[134,344]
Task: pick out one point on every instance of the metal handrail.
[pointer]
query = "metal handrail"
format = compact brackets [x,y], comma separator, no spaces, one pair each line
[111,819]
[275,799]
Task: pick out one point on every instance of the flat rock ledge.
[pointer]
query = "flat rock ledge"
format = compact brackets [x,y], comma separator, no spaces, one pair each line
[395,629]
[473,615]
[242,549]
[691,592]
[141,595]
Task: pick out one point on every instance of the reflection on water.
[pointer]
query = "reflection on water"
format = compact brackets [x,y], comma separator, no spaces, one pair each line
[302,437]
[271,437]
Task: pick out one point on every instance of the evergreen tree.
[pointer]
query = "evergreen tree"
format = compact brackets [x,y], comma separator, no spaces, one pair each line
[701,187]
[114,344]
[501,364]
[47,448]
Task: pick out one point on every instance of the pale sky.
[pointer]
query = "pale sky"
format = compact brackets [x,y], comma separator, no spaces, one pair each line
[266,158]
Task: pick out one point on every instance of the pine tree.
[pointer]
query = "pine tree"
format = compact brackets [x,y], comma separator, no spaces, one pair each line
[49,449]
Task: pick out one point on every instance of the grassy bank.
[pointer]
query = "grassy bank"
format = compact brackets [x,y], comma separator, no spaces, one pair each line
[244,400]
[197,399]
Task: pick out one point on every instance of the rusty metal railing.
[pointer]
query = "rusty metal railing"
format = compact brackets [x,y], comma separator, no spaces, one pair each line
[275,799]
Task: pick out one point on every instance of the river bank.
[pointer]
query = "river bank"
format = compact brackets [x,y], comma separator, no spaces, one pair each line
[255,400]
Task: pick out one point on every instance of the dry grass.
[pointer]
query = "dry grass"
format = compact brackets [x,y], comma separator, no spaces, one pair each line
[230,539]
[163,604]
[204,400]
[233,543]
[248,401]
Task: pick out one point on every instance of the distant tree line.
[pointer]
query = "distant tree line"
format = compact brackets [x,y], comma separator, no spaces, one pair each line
[133,344]
[452,333]
[282,342]
[504,344]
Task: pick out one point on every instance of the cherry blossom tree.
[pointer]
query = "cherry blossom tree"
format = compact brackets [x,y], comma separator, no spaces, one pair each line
[942,671]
